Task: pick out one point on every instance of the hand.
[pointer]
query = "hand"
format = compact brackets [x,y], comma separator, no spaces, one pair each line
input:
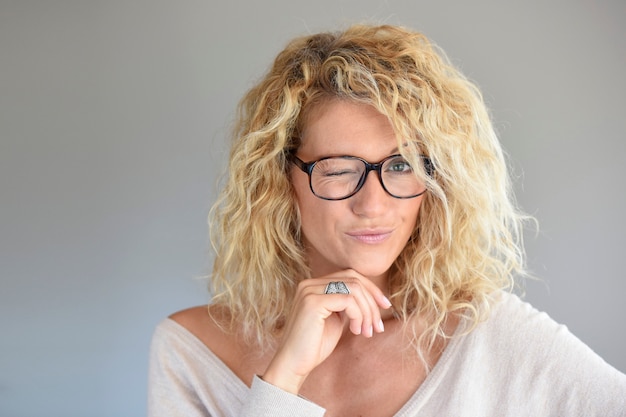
[318,320]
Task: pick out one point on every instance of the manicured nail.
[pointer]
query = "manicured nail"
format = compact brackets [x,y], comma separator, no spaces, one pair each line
[381,325]
[386,302]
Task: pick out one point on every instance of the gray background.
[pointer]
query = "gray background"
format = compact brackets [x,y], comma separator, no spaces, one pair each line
[113,116]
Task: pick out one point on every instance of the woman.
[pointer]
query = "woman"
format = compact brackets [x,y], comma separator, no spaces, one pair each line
[366,241]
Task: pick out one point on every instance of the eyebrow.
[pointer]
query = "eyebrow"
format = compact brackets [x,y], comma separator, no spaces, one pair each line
[395,150]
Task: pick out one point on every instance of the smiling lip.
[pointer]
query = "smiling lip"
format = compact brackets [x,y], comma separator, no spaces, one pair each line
[370,236]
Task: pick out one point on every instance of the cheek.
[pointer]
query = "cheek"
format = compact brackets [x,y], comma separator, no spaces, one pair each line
[313,215]
[411,213]
[306,202]
[319,218]
[415,210]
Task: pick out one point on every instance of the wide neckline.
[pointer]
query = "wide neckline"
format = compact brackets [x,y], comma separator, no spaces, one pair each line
[415,402]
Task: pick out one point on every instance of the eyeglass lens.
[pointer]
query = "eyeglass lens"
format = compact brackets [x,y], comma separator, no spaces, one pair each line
[339,177]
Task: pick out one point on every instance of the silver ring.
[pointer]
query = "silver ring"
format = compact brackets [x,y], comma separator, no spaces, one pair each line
[337,287]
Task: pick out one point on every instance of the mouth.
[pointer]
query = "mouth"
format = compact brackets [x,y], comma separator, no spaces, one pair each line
[370,236]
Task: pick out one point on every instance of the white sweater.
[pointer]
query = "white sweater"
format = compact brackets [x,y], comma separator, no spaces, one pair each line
[517,363]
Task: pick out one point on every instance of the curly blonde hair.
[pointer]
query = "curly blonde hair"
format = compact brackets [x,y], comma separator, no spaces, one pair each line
[467,244]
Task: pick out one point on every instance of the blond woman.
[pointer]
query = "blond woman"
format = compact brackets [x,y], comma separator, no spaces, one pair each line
[366,243]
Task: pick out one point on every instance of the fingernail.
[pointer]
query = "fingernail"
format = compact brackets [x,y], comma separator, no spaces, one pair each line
[386,301]
[381,325]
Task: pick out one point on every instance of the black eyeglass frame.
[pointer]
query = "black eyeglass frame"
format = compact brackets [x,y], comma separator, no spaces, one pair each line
[307,168]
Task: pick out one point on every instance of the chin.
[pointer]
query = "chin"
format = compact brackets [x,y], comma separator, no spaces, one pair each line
[372,271]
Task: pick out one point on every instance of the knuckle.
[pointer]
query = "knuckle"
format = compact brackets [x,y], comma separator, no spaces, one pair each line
[308,300]
[352,282]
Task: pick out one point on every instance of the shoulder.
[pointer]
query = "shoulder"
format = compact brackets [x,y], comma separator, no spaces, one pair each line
[190,368]
[211,326]
[526,332]
[198,321]
[518,339]
[546,357]
[186,334]
[519,361]
[511,317]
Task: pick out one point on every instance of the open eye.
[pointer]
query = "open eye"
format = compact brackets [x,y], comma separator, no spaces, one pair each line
[398,165]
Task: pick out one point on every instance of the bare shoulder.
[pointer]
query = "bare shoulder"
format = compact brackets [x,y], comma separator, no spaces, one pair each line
[190,317]
[196,319]
[211,325]
[208,324]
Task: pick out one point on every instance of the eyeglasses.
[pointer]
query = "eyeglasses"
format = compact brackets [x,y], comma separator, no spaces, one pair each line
[341,177]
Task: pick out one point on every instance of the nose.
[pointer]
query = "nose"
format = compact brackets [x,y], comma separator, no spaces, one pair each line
[372,199]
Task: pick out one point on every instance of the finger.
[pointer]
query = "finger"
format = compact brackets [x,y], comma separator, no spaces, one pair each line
[375,298]
[314,294]
[347,306]
[365,301]
[367,295]
[381,301]
[366,304]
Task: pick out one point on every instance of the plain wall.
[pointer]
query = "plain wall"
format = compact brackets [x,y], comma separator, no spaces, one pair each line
[113,119]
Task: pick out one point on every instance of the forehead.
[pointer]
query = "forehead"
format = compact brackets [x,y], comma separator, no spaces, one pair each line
[340,127]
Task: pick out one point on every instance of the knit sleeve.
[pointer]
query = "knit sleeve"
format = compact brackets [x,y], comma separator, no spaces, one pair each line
[268,400]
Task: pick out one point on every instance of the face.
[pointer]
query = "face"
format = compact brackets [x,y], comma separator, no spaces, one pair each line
[367,231]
